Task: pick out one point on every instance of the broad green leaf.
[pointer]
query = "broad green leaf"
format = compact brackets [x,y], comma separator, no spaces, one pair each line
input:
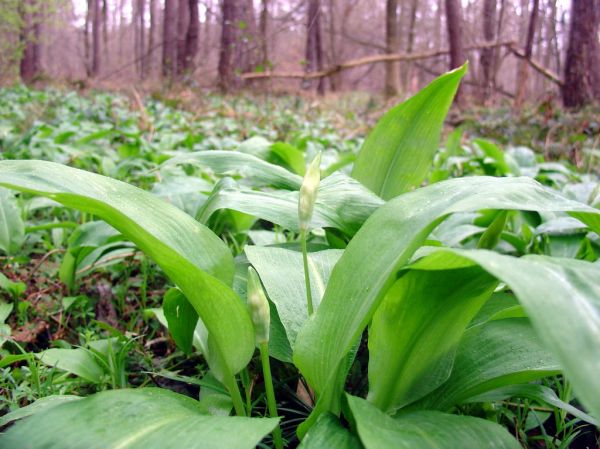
[535,392]
[329,433]
[76,361]
[492,150]
[384,244]
[15,289]
[250,168]
[5,309]
[189,253]
[282,274]
[342,203]
[290,156]
[12,228]
[40,405]
[415,332]
[147,418]
[483,362]
[398,153]
[491,236]
[181,317]
[426,430]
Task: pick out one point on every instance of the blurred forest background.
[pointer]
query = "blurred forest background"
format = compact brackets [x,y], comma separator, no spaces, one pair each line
[518,50]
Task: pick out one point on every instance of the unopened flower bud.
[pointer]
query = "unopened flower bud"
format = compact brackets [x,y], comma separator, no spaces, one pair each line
[259,307]
[308,192]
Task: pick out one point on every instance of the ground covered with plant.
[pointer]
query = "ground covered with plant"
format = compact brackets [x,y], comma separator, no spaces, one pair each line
[327,277]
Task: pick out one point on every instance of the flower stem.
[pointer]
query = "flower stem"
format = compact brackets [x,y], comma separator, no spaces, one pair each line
[309,301]
[236,397]
[272,405]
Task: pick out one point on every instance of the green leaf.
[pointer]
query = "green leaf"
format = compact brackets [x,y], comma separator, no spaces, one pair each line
[76,361]
[426,430]
[493,151]
[398,153]
[189,253]
[291,156]
[15,289]
[415,332]
[383,245]
[147,418]
[282,274]
[535,392]
[12,228]
[40,405]
[250,168]
[181,317]
[342,203]
[495,354]
[491,236]
[329,433]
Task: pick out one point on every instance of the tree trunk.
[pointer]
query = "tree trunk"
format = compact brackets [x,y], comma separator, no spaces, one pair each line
[191,38]
[86,38]
[454,25]
[524,65]
[229,28]
[148,66]
[487,54]
[314,48]
[264,39]
[582,66]
[105,29]
[392,69]
[183,22]
[30,40]
[142,36]
[410,43]
[96,28]
[169,54]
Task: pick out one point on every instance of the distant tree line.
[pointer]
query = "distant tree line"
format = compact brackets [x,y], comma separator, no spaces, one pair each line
[333,42]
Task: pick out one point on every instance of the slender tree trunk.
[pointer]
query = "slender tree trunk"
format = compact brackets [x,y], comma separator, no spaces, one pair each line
[392,69]
[582,66]
[410,43]
[191,38]
[105,30]
[86,38]
[524,66]
[183,22]
[229,25]
[169,54]
[314,48]
[96,27]
[142,36]
[30,40]
[149,58]
[487,54]
[264,39]
[454,24]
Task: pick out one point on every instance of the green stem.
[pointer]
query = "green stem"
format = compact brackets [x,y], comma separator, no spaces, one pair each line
[47,226]
[309,301]
[271,403]
[236,397]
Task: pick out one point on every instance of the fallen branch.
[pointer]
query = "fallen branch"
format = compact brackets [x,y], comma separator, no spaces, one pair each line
[368,60]
[536,65]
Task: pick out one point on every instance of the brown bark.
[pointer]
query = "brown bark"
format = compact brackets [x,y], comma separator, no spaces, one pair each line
[229,28]
[582,66]
[314,48]
[191,38]
[96,28]
[487,55]
[263,30]
[454,24]
[151,33]
[524,66]
[183,21]
[169,54]
[142,36]
[392,69]
[30,40]
[105,29]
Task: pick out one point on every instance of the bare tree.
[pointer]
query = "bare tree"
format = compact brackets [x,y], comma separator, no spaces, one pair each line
[183,22]
[96,27]
[487,54]
[455,25]
[30,40]
[314,48]
[229,27]
[169,54]
[582,66]
[392,73]
[191,37]
[148,66]
[524,65]
[263,30]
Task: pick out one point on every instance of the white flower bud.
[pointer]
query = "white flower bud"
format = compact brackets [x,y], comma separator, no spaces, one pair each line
[259,307]
[308,192]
